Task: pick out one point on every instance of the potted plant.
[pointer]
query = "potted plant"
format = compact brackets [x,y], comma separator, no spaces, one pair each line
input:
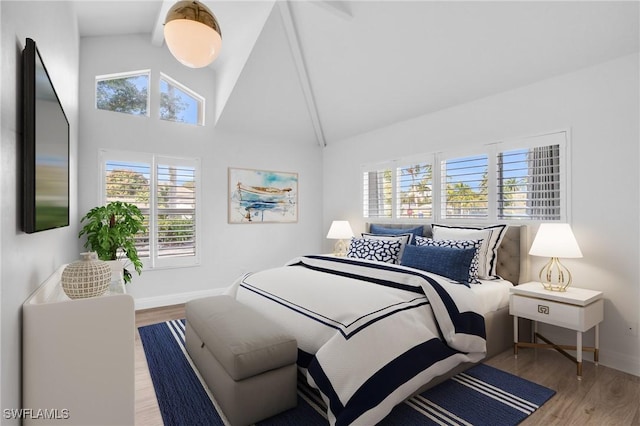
[111,231]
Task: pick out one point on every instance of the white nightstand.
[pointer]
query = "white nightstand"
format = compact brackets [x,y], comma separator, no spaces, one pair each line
[576,309]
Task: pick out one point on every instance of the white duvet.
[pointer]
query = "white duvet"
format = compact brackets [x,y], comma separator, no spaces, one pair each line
[369,334]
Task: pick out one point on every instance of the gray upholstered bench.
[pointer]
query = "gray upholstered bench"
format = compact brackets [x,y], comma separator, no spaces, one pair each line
[247,360]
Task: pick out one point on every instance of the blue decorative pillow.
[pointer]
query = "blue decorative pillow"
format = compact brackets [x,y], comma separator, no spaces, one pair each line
[369,249]
[381,230]
[461,244]
[452,263]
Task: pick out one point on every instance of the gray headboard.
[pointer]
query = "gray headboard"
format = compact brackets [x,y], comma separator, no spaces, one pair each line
[511,265]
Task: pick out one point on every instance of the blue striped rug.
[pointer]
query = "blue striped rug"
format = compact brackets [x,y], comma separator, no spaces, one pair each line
[482,395]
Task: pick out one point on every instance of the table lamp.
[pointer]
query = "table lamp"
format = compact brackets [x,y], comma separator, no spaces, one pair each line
[340,230]
[555,240]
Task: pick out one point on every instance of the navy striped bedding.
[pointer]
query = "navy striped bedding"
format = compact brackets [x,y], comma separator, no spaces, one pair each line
[369,334]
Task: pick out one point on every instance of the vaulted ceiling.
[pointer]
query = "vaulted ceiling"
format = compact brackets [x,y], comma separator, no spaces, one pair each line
[322,71]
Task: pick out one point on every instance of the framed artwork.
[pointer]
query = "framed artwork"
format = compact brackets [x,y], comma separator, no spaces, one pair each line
[262,196]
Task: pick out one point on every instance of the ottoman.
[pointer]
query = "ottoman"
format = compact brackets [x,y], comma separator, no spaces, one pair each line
[247,361]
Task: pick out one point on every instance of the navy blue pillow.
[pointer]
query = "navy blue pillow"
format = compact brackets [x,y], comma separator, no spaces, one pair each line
[453,263]
[381,230]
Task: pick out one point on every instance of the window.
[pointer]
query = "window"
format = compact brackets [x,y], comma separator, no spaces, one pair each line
[414,191]
[377,193]
[526,179]
[531,180]
[166,191]
[464,187]
[177,103]
[125,92]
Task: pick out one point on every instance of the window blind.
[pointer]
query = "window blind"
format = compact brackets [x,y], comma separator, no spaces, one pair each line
[529,183]
[464,189]
[414,191]
[165,189]
[377,193]
[176,210]
[129,182]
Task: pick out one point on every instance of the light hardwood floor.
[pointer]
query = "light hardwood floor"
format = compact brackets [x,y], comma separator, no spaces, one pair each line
[603,397]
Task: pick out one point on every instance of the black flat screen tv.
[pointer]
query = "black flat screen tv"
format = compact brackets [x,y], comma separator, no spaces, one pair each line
[45,148]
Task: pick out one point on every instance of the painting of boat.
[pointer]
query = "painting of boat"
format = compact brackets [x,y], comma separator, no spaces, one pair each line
[259,196]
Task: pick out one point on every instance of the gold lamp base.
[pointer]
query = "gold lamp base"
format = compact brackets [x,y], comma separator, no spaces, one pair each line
[340,248]
[554,276]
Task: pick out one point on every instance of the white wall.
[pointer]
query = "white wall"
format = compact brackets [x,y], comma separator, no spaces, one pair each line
[27,260]
[600,105]
[227,250]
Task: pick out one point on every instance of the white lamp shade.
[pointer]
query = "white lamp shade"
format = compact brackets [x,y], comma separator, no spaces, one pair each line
[192,43]
[555,240]
[192,34]
[340,230]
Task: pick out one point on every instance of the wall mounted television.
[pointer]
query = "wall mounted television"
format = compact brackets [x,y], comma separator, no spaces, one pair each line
[45,148]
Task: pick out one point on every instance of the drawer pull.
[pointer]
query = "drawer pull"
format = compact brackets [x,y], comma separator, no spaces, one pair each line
[543,309]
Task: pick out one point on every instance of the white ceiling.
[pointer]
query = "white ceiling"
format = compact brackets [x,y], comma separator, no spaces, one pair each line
[373,63]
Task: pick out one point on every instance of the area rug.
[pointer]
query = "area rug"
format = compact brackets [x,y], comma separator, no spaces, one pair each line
[481,395]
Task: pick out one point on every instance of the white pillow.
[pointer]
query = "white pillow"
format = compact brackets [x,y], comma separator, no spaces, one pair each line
[488,252]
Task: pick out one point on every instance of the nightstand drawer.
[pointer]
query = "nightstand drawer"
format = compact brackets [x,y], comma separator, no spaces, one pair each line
[579,318]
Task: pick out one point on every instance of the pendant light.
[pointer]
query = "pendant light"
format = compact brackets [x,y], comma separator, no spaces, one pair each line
[192,33]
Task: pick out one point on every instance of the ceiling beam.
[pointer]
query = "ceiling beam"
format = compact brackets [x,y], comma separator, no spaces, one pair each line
[303,75]
[157,34]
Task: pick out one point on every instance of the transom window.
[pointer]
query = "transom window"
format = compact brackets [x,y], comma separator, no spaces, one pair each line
[166,190]
[127,93]
[178,103]
[526,179]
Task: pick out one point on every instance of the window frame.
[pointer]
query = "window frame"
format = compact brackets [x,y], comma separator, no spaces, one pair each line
[561,137]
[122,75]
[154,261]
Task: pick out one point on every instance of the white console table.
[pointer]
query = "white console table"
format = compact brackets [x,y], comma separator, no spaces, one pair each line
[78,357]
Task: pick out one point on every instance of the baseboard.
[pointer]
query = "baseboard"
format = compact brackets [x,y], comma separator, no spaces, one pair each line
[174,299]
[618,361]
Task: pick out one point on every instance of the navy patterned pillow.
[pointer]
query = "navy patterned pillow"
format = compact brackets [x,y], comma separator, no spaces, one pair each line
[369,249]
[462,244]
[452,263]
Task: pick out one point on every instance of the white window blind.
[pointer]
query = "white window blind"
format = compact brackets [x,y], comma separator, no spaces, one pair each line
[377,193]
[464,187]
[530,183]
[166,192]
[128,181]
[414,191]
[176,212]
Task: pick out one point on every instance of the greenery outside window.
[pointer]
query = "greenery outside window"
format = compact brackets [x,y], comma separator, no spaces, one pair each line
[166,190]
[180,104]
[127,93]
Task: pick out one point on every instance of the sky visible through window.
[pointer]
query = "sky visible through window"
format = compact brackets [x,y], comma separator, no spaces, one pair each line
[190,112]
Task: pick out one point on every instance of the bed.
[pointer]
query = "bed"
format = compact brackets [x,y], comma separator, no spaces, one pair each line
[370,333]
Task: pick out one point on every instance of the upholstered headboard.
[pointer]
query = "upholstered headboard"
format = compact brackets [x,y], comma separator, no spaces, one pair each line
[511,265]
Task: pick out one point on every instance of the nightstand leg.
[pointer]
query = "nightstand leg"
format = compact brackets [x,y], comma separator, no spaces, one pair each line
[515,336]
[579,353]
[597,345]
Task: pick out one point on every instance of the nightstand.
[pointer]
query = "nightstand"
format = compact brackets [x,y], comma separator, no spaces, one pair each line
[576,309]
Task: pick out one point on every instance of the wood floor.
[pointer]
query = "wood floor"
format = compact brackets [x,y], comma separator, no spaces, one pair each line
[603,397]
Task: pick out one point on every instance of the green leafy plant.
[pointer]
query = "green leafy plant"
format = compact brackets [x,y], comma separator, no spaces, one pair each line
[111,232]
